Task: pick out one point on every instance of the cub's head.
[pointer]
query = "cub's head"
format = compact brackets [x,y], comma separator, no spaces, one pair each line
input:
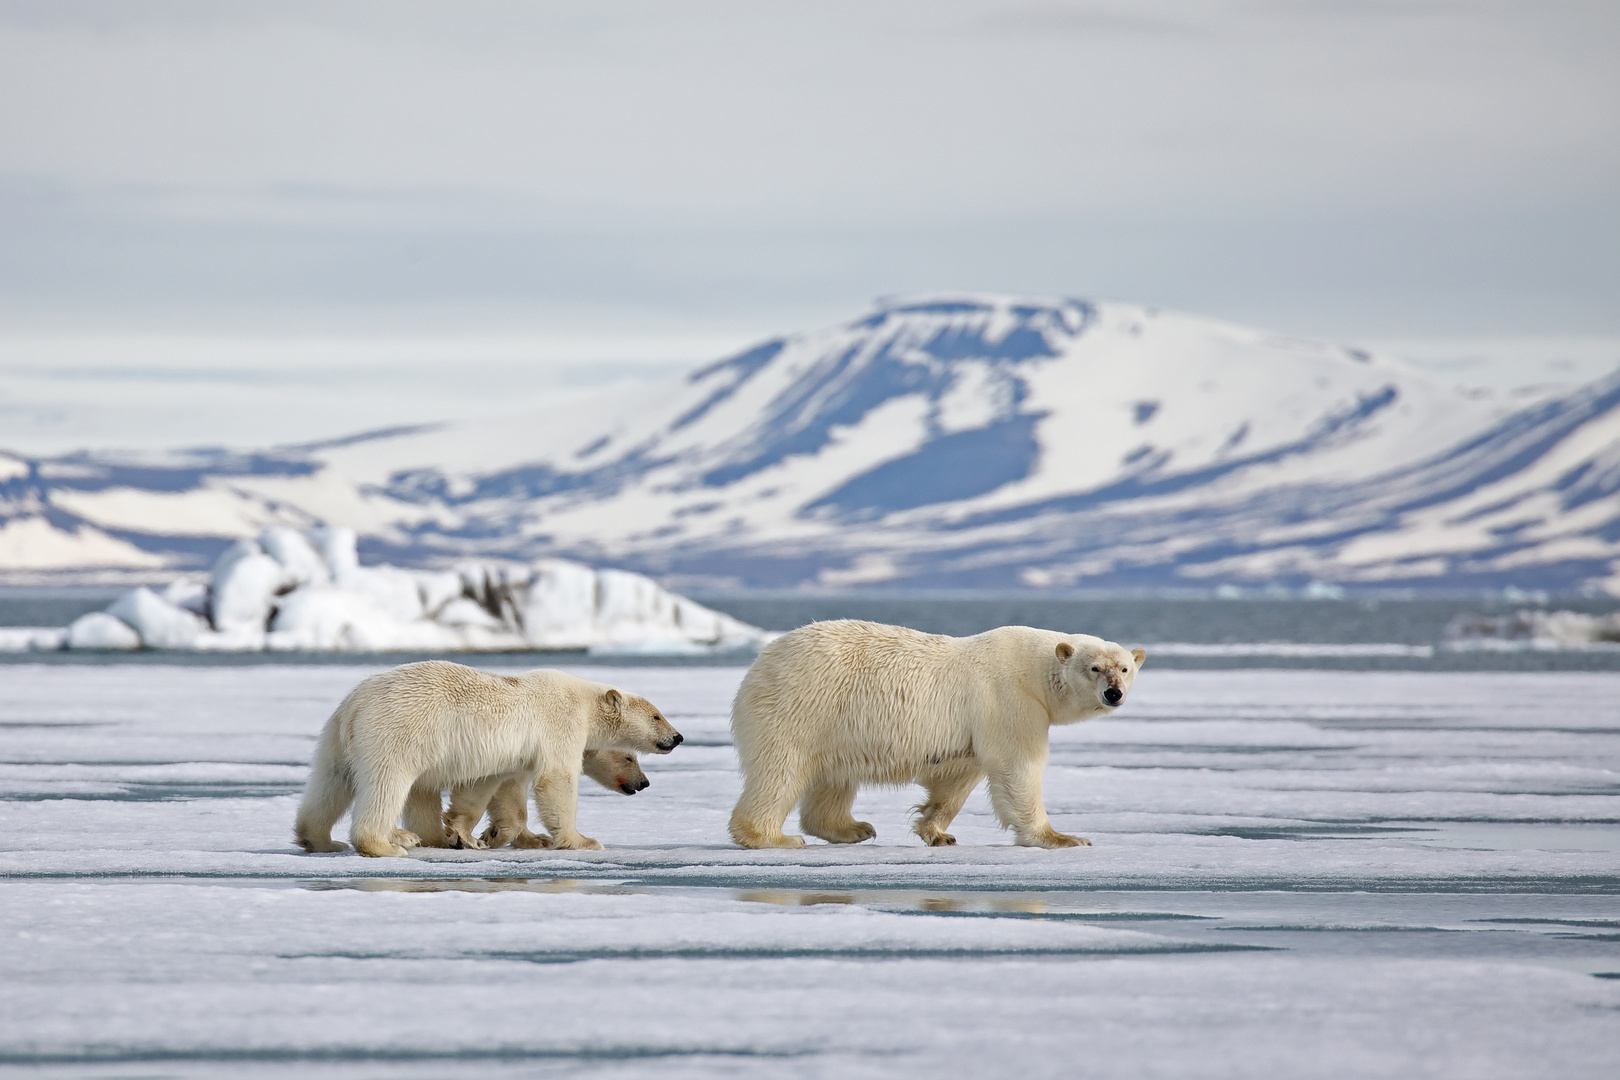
[1093,672]
[615,770]
[631,722]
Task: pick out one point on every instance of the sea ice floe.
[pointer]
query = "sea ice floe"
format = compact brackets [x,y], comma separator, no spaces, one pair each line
[292,591]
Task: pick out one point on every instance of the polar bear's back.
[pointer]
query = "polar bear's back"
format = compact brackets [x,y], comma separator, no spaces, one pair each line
[864,699]
[460,718]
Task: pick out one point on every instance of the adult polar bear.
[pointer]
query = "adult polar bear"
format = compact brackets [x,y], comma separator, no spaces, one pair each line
[834,705]
[403,736]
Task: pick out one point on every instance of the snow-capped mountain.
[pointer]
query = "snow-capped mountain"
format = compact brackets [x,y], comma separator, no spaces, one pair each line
[950,442]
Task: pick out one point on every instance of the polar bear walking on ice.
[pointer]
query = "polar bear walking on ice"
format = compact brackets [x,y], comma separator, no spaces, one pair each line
[834,705]
[403,736]
[509,807]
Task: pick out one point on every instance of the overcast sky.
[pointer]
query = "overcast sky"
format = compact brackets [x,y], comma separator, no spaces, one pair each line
[1360,167]
[1352,169]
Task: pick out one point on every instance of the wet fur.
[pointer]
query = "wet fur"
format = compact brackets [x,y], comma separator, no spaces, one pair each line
[509,807]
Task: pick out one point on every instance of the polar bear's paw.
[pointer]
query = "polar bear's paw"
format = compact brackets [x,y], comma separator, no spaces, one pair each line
[749,835]
[780,840]
[853,833]
[943,839]
[406,839]
[532,840]
[467,842]
[310,844]
[575,842]
[1051,838]
[375,848]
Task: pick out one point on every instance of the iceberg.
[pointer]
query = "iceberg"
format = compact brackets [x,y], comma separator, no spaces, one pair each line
[1528,629]
[101,632]
[291,591]
[160,624]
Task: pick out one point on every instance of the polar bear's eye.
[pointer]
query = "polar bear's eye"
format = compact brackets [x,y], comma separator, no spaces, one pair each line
[1097,669]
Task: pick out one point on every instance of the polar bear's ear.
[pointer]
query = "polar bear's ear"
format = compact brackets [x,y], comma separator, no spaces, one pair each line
[1140,654]
[614,699]
[1064,650]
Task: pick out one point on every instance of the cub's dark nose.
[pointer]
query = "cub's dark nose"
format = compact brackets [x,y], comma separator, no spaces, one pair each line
[667,744]
[644,785]
[1112,695]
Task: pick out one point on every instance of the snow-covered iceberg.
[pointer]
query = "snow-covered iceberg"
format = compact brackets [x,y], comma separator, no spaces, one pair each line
[306,591]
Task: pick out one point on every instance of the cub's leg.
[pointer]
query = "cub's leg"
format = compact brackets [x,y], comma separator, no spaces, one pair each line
[824,812]
[327,795]
[425,818]
[769,791]
[948,785]
[556,794]
[379,801]
[509,818]
[467,802]
[1015,794]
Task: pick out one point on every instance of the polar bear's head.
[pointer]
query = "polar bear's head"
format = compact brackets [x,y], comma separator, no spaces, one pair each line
[631,722]
[1095,673]
[615,770]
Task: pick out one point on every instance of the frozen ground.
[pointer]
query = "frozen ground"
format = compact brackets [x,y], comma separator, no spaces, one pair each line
[1296,874]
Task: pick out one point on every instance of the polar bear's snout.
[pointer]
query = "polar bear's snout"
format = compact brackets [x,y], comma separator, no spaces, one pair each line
[670,741]
[1113,695]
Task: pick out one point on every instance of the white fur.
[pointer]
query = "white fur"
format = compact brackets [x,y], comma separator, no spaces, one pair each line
[509,806]
[834,705]
[403,736]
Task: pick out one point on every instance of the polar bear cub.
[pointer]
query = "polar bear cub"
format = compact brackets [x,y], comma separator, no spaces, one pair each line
[403,736]
[834,705]
[509,807]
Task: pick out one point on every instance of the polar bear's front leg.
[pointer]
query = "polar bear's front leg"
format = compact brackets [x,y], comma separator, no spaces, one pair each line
[556,795]
[1015,794]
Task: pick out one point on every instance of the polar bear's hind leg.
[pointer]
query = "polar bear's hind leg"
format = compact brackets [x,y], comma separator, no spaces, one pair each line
[825,812]
[327,795]
[769,792]
[378,804]
[948,787]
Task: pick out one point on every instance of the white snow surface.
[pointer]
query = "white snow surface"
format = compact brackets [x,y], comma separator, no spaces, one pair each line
[1295,874]
[290,591]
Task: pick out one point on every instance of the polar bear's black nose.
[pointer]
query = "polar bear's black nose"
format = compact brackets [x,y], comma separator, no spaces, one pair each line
[670,743]
[1112,695]
[644,785]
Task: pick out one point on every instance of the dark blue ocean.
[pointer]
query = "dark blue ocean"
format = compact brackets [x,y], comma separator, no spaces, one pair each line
[1356,633]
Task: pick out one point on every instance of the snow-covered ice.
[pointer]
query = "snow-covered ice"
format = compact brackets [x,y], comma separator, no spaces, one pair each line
[1295,873]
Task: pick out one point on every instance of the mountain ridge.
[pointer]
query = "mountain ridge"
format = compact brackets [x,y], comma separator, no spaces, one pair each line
[974,441]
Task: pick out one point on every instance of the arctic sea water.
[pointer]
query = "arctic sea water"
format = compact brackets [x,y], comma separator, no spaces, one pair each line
[1402,633]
